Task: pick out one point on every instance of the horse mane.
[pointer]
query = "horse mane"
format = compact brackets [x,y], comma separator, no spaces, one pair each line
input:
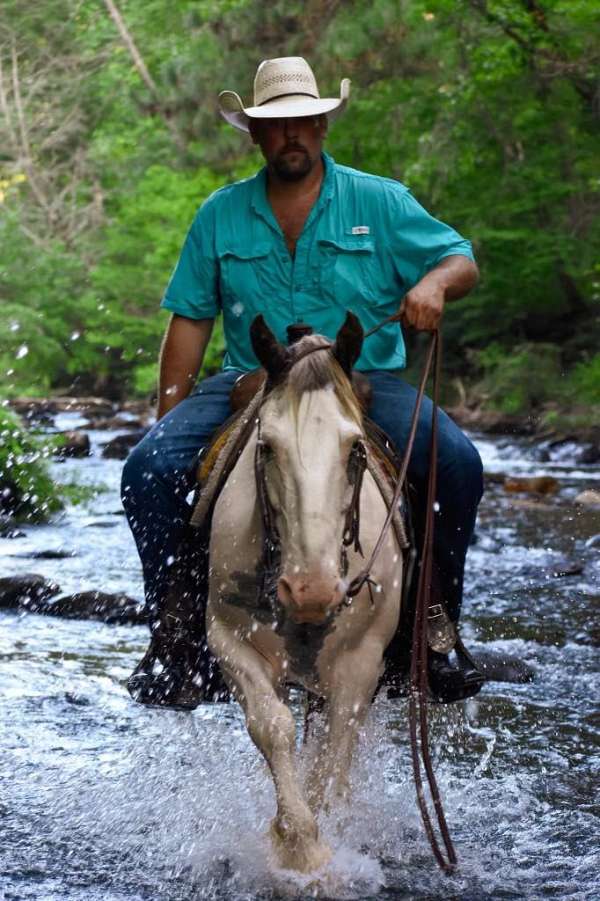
[316,371]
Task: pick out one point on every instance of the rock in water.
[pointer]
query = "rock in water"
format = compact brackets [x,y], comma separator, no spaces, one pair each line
[119,447]
[26,591]
[75,444]
[109,608]
[534,485]
[589,498]
[497,666]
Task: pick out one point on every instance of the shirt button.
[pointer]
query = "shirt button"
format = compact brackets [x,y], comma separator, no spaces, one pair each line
[297,287]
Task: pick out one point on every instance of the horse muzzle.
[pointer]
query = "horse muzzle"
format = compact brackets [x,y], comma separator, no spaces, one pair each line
[310,600]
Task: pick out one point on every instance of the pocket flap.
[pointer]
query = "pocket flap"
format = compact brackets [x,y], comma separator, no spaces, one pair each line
[245,252]
[352,244]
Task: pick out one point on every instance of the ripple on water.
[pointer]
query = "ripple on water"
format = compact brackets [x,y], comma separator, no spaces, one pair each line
[102,800]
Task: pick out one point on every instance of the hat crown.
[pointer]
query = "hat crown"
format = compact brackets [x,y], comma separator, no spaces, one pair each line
[283,76]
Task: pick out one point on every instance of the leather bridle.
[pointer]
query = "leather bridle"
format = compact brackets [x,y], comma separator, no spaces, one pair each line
[357,464]
[271,560]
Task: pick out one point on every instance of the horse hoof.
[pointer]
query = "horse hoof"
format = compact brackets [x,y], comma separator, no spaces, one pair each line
[302,854]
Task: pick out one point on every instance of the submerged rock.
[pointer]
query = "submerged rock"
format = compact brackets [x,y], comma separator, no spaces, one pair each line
[21,591]
[33,407]
[109,608]
[119,447]
[589,498]
[75,444]
[533,485]
[497,666]
[115,422]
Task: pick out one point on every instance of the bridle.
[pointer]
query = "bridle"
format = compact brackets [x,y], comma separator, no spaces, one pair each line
[271,562]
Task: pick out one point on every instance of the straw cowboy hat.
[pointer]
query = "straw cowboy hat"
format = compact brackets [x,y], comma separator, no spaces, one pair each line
[284,88]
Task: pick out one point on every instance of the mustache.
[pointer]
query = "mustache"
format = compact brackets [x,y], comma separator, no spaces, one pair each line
[289,147]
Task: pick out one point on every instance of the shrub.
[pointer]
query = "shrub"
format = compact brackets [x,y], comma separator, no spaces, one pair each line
[27,491]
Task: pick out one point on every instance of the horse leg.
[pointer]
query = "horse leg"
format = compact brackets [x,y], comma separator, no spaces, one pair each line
[294,832]
[351,685]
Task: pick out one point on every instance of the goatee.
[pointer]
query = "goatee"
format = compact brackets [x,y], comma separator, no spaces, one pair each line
[287,171]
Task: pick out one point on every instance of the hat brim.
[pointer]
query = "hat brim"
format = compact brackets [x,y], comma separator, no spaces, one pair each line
[289,107]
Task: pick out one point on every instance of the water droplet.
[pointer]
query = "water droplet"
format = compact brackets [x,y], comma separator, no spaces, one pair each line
[75,336]
[22,352]
[15,326]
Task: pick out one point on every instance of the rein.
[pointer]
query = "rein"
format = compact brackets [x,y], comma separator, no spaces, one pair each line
[418,722]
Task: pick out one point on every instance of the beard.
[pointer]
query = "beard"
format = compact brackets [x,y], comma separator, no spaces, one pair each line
[292,168]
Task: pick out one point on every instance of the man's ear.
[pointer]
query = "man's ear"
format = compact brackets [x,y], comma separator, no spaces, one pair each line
[323,125]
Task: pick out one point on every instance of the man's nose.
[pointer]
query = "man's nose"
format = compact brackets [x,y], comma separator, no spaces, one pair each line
[290,128]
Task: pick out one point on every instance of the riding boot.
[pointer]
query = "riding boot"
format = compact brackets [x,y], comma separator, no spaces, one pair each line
[455,680]
[189,674]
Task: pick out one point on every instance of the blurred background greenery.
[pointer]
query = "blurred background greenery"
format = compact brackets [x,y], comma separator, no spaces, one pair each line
[489,110]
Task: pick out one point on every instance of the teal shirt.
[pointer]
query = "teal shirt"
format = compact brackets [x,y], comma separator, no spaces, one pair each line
[366,242]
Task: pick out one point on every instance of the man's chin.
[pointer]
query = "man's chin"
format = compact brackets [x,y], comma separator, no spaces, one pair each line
[292,166]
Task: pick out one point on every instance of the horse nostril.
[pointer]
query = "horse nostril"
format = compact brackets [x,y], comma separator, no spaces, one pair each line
[284,591]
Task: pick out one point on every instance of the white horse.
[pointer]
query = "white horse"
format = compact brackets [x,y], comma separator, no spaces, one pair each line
[301,629]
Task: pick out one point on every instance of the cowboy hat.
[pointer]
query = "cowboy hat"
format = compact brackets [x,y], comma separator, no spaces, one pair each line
[284,88]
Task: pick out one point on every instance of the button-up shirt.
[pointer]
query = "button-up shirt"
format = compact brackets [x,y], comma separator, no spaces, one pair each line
[365,243]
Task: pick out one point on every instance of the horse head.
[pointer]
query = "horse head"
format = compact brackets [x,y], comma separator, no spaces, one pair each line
[310,425]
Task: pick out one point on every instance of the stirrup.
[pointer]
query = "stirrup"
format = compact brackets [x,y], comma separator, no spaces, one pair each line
[448,683]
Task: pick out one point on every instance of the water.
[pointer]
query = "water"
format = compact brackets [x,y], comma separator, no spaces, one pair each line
[103,800]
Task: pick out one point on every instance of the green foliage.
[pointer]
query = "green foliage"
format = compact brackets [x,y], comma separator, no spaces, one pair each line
[519,379]
[26,490]
[486,109]
[585,381]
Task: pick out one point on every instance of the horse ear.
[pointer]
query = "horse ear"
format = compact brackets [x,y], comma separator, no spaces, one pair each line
[348,343]
[270,353]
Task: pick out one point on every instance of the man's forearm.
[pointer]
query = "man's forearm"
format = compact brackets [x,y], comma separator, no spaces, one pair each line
[451,279]
[181,357]
[456,275]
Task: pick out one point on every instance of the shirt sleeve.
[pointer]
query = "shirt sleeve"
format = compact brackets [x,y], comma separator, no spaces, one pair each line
[419,241]
[193,287]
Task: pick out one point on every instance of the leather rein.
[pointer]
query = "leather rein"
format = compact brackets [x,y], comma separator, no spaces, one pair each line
[357,464]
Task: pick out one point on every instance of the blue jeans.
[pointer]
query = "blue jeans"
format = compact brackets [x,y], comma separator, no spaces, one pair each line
[159,474]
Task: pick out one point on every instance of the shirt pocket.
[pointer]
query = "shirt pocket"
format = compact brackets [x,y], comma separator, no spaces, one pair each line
[242,273]
[348,270]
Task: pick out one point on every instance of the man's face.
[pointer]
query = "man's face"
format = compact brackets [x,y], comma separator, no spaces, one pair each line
[291,147]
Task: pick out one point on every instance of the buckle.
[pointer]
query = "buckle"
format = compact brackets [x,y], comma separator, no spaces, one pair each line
[438,611]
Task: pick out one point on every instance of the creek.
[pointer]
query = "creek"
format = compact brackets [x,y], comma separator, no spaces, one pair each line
[104,800]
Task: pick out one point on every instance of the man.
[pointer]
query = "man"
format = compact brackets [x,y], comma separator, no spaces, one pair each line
[303,240]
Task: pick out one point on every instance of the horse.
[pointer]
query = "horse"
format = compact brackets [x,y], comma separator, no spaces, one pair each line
[278,612]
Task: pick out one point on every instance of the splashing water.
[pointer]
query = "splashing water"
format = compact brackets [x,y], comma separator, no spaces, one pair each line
[101,799]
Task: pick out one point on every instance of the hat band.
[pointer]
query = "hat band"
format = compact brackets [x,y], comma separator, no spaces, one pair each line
[281,97]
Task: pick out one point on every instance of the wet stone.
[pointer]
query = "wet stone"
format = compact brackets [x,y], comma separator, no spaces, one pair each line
[119,447]
[589,498]
[22,591]
[109,608]
[50,554]
[533,485]
[74,444]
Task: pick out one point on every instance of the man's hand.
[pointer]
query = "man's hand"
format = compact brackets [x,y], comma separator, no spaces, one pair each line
[423,305]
